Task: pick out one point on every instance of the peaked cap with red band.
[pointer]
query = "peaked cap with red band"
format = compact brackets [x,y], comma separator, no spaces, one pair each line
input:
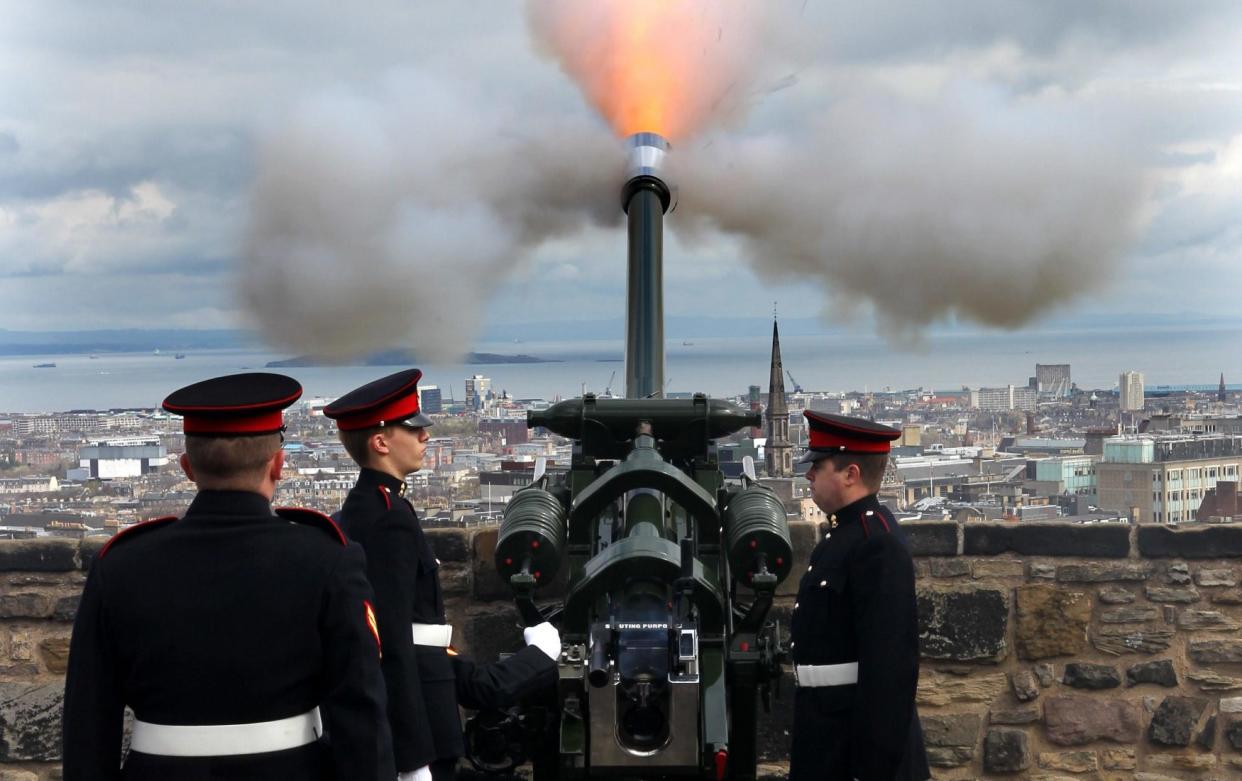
[391,399]
[839,434]
[235,405]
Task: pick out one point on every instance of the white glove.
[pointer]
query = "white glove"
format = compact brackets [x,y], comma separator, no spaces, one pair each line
[545,638]
[422,774]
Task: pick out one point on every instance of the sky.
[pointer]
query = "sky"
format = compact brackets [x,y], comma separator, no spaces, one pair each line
[415,171]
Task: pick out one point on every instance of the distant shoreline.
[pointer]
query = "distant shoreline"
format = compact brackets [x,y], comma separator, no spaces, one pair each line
[405,358]
[722,367]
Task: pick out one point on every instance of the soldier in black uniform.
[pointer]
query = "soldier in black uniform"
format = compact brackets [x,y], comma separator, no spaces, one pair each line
[386,434]
[854,630]
[237,635]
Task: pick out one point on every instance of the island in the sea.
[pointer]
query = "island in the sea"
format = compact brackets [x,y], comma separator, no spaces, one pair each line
[405,358]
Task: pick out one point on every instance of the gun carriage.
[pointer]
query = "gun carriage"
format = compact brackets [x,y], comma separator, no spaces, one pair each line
[667,648]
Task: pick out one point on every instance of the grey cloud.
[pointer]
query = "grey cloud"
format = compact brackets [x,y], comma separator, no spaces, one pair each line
[202,159]
[316,41]
[93,234]
[119,300]
[896,30]
[1187,222]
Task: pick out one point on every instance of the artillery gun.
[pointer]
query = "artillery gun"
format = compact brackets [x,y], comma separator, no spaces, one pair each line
[667,648]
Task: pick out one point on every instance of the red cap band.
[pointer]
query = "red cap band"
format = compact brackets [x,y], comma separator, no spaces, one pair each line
[263,423]
[396,410]
[822,440]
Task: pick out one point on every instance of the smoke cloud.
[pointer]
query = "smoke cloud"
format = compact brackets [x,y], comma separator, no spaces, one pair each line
[388,220]
[969,207]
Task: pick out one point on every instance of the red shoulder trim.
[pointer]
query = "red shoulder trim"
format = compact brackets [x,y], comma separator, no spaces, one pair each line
[384,492]
[130,531]
[313,518]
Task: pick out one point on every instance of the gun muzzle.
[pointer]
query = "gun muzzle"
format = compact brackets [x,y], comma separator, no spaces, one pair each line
[645,198]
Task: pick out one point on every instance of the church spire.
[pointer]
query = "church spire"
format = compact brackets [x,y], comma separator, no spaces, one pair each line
[776,377]
[779,451]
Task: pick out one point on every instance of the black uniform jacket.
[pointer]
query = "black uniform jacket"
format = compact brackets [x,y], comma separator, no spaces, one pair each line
[229,615]
[424,683]
[856,603]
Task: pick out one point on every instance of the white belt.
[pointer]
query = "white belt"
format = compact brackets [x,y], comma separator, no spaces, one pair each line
[810,675]
[220,740]
[438,635]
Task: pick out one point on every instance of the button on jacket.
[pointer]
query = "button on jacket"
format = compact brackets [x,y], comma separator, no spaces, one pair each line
[229,615]
[856,603]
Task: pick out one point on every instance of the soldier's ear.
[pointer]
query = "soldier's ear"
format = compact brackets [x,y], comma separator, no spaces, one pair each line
[378,443]
[186,467]
[277,465]
[855,474]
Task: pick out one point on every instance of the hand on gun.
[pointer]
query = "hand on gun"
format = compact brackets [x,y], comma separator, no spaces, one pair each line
[544,637]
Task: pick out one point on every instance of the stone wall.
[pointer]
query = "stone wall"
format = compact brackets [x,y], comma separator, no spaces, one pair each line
[1049,651]
[1055,651]
[40,582]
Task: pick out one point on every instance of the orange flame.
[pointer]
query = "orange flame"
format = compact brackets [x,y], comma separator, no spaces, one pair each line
[663,66]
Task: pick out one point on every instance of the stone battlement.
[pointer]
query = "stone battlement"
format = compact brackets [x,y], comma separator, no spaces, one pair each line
[1049,650]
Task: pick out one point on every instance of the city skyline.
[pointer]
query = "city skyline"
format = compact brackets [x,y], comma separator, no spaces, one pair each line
[130,138]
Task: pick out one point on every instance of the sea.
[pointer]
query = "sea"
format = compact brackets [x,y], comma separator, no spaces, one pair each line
[1167,355]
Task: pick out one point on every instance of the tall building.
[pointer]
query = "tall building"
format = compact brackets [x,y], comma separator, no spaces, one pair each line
[1131,391]
[478,388]
[128,457]
[1004,399]
[1053,379]
[1164,478]
[754,400]
[430,399]
[1221,395]
[778,451]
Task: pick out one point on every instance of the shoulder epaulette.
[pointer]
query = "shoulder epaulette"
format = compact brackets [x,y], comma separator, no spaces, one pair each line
[130,532]
[313,518]
[880,516]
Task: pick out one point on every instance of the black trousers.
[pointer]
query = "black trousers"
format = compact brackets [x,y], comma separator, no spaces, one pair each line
[312,761]
[444,769]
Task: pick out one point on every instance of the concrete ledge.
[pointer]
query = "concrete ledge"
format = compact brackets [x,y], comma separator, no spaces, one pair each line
[450,544]
[931,538]
[1111,541]
[1213,542]
[46,554]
